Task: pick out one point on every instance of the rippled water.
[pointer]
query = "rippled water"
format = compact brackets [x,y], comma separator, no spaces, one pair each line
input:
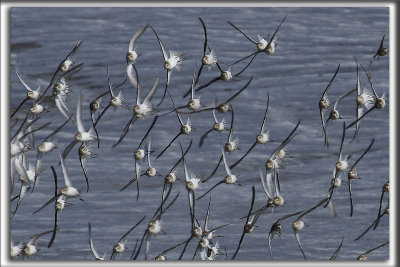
[312,42]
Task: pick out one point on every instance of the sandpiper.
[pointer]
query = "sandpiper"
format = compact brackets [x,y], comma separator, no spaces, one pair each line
[382,51]
[363,256]
[207,59]
[262,45]
[249,226]
[141,109]
[120,246]
[46,146]
[298,224]
[261,138]
[380,102]
[324,104]
[171,61]
[364,99]
[82,135]
[276,229]
[30,248]
[228,179]
[30,94]
[185,128]
[352,174]
[132,55]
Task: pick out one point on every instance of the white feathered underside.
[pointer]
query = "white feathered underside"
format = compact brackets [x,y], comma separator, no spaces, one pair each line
[79,122]
[228,171]
[369,98]
[175,59]
[62,107]
[65,172]
[214,59]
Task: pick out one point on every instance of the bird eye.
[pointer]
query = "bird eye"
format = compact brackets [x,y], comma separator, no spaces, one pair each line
[386,187]
[130,56]
[138,154]
[382,51]
[261,138]
[204,242]
[352,174]
[197,231]
[27,250]
[362,257]
[59,205]
[249,227]
[336,114]
[269,164]
[360,100]
[160,258]
[270,201]
[117,247]
[323,104]
[189,186]
[65,65]
[336,182]
[278,201]
[94,105]
[380,103]
[185,129]
[78,136]
[170,178]
[228,147]
[41,147]
[340,166]
[150,171]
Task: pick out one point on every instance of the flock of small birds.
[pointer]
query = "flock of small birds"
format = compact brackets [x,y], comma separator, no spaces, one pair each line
[26,171]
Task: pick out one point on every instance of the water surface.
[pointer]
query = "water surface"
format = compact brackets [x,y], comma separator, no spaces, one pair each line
[312,42]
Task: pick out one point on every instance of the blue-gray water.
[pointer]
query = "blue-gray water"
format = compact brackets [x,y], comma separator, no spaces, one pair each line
[312,42]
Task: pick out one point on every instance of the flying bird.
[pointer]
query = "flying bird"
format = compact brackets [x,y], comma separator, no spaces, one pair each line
[262,45]
[171,61]
[132,55]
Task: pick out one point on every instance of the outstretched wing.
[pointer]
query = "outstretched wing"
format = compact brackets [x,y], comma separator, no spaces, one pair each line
[245,35]
[163,50]
[65,172]
[136,36]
